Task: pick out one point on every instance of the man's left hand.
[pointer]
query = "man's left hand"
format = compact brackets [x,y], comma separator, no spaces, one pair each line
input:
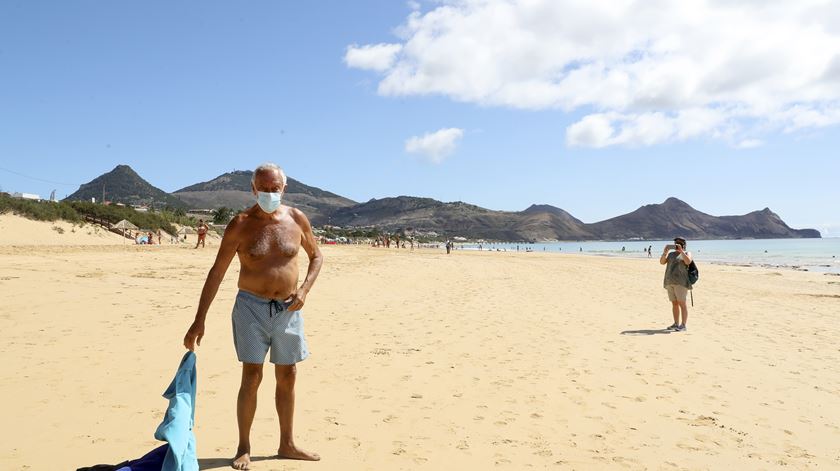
[296,300]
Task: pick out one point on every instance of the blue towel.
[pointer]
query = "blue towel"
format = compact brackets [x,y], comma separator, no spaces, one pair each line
[177,425]
[151,461]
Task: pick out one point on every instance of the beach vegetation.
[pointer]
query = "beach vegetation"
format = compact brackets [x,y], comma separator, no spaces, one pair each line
[223,215]
[76,211]
[113,213]
[39,210]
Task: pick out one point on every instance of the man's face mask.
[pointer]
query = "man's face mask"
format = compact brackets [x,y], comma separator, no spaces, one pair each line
[269,202]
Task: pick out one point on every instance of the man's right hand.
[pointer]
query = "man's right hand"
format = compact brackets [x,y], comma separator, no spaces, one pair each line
[194,335]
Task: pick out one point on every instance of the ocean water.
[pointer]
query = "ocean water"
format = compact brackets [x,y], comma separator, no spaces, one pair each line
[821,255]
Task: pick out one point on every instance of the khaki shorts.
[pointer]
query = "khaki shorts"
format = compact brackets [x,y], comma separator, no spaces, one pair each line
[676,293]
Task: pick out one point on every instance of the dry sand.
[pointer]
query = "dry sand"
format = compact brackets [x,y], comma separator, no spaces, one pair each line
[16,231]
[427,361]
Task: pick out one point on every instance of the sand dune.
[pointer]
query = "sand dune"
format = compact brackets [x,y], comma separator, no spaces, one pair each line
[427,361]
[17,230]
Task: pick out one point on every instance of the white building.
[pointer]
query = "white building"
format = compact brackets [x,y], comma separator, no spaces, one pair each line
[27,196]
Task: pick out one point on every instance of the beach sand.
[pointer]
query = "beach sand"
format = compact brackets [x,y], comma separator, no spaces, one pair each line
[421,360]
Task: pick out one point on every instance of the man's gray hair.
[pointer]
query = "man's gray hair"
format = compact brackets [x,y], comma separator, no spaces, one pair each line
[268,167]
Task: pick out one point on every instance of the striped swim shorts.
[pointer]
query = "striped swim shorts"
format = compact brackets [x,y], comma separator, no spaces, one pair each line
[260,324]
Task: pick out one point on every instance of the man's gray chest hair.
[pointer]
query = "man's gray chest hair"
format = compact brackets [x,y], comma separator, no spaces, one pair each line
[274,239]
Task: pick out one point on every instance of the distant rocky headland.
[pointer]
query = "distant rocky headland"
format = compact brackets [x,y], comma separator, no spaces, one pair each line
[536,223]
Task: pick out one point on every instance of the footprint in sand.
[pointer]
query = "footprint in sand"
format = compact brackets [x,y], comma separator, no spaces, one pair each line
[398,450]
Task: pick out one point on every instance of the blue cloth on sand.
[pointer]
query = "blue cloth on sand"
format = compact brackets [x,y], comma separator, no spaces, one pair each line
[177,425]
[151,461]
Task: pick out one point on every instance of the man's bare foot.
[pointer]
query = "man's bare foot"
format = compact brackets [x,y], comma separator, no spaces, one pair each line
[291,452]
[242,460]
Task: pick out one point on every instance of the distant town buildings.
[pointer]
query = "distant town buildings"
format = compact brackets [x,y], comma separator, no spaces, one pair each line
[26,196]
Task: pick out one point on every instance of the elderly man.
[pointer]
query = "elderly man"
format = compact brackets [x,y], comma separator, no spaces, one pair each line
[676,280]
[266,315]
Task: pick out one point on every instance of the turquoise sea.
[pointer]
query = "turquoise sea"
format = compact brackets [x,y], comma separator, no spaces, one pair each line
[820,255]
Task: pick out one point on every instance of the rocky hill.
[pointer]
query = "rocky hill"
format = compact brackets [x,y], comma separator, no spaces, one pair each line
[233,189]
[426,214]
[543,222]
[124,185]
[459,218]
[538,222]
[675,217]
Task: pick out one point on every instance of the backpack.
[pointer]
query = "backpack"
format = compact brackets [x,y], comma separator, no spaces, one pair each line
[693,274]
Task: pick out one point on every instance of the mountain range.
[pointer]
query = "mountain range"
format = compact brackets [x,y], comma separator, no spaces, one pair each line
[537,222]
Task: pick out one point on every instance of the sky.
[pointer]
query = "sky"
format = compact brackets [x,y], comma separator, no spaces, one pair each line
[594,107]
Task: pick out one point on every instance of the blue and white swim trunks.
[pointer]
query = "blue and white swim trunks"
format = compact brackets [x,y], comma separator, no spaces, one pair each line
[260,324]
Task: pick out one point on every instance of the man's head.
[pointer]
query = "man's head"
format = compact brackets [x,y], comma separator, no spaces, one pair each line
[268,178]
[679,241]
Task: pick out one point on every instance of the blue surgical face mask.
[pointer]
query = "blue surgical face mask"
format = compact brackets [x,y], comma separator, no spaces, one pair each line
[269,202]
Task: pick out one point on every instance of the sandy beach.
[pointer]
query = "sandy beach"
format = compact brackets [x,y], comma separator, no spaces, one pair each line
[421,360]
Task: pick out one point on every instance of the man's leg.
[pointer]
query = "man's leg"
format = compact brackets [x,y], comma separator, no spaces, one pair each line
[246,407]
[684,309]
[284,399]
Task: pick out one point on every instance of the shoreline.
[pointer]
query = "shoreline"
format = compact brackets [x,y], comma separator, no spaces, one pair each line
[11,249]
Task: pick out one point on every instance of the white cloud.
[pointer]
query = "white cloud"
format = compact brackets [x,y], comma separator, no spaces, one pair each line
[750,144]
[378,57]
[645,72]
[435,146]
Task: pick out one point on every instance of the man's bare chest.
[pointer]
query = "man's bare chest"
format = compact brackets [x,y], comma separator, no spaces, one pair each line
[272,241]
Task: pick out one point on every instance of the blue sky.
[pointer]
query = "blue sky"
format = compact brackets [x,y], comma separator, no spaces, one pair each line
[185,91]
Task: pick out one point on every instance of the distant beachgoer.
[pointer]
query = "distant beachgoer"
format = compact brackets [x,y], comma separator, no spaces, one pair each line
[159,236]
[448,247]
[202,233]
[151,239]
[622,248]
[676,282]
[649,251]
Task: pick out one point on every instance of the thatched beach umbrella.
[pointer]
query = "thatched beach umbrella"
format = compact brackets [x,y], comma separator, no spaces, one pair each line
[124,224]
